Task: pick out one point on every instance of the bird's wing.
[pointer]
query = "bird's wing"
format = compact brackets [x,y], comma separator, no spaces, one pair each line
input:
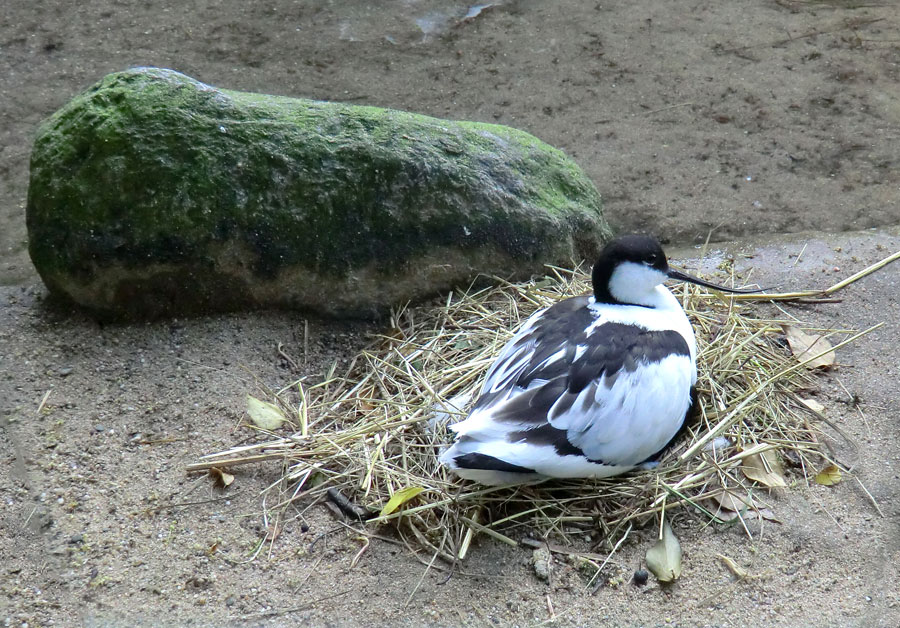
[593,389]
[622,404]
[534,349]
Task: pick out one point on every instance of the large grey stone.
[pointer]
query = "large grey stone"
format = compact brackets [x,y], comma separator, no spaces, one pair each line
[154,194]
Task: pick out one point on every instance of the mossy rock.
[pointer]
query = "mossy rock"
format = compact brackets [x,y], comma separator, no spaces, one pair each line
[153,194]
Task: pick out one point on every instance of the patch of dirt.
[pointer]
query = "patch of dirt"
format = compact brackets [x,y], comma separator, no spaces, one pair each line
[102,523]
[768,117]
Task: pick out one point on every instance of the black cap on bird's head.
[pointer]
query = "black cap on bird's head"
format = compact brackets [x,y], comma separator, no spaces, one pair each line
[648,267]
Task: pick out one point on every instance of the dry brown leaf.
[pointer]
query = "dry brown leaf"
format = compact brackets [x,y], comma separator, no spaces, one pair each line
[805,346]
[664,558]
[731,505]
[728,505]
[829,476]
[220,478]
[764,468]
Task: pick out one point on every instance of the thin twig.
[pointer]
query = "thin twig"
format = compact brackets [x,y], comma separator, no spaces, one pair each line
[814,33]
[285,611]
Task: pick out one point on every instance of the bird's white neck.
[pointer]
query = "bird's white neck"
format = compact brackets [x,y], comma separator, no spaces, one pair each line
[636,284]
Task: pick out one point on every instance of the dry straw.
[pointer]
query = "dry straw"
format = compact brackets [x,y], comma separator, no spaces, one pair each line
[372,434]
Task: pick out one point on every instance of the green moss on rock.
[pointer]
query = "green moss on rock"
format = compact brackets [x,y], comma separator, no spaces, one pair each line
[154,194]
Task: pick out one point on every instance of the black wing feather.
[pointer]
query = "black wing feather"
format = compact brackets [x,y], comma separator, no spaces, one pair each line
[610,349]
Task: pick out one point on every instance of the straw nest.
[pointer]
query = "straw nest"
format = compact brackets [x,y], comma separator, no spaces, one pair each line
[375,432]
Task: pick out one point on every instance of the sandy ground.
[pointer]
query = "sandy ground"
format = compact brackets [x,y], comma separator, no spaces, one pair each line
[101,522]
[741,118]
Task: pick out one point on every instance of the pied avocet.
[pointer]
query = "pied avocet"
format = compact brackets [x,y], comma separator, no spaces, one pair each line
[592,386]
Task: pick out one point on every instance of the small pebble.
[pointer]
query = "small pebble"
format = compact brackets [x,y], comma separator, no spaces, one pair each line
[640,577]
[65,371]
[541,561]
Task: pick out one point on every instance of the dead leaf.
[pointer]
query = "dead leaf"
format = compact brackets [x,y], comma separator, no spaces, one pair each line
[805,346]
[732,505]
[664,558]
[733,501]
[829,476]
[764,468]
[813,405]
[399,498]
[733,567]
[264,415]
[220,478]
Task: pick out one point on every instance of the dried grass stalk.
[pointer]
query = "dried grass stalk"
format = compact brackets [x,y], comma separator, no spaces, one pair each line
[372,432]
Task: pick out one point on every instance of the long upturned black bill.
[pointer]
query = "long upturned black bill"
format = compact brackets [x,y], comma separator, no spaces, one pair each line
[677,274]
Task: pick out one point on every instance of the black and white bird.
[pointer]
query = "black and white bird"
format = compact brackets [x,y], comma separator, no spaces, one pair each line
[592,386]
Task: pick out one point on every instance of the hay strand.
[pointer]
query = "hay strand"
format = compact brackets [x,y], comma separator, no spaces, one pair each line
[380,427]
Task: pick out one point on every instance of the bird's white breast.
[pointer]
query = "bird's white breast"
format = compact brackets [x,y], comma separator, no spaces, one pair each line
[664,312]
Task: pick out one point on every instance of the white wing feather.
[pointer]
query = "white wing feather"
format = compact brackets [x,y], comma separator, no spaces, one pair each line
[645,406]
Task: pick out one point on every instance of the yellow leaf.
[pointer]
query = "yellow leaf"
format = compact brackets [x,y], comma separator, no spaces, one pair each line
[664,558]
[399,498]
[828,476]
[805,346]
[265,415]
[764,468]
